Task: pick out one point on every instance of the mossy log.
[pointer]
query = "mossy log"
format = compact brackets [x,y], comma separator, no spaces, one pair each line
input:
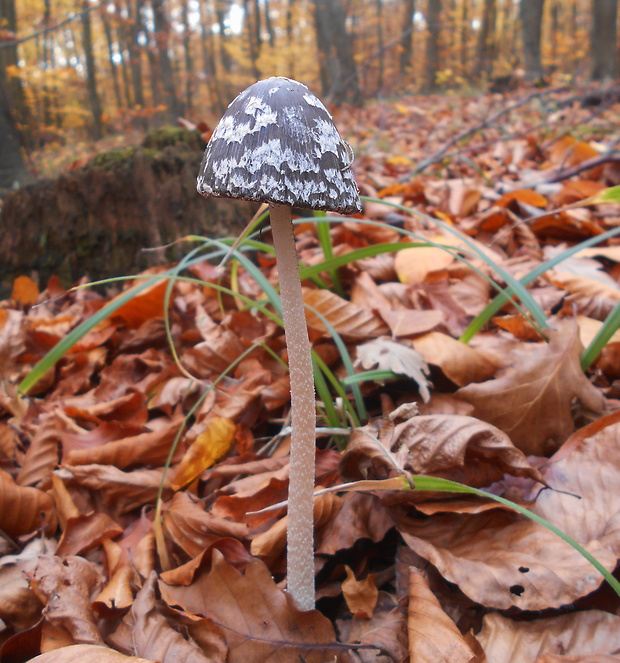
[97,220]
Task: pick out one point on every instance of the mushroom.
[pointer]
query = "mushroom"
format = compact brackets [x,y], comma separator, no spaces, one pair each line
[276,143]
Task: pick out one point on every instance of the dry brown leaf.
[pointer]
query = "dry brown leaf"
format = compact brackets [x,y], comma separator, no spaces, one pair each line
[67,586]
[531,401]
[193,529]
[385,633]
[24,509]
[460,448]
[361,595]
[147,448]
[121,492]
[87,531]
[584,286]
[503,560]
[156,636]
[459,362]
[19,607]
[258,620]
[411,322]
[361,516]
[579,634]
[347,319]
[145,305]
[433,636]
[414,264]
[90,653]
[209,446]
[528,196]
[25,291]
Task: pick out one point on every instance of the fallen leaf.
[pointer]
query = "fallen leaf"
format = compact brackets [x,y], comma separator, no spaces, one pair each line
[582,634]
[90,653]
[503,560]
[24,509]
[209,446]
[531,401]
[386,355]
[433,636]
[257,619]
[347,319]
[361,595]
[459,362]
[67,585]
[414,264]
[25,291]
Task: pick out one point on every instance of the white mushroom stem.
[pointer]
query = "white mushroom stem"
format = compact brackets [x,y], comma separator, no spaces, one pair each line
[300,533]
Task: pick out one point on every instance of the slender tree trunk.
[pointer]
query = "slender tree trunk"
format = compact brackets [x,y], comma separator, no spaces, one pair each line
[189,62]
[465,31]
[123,40]
[258,26]
[269,26]
[8,58]
[339,74]
[207,50]
[432,45]
[113,68]
[531,15]
[250,18]
[12,167]
[604,40]
[91,75]
[406,43]
[380,45]
[162,30]
[220,15]
[484,61]
[135,55]
[47,104]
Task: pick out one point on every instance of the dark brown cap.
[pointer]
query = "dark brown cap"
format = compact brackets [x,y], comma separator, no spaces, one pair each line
[277,143]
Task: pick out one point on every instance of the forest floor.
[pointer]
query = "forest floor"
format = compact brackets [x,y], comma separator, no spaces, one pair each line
[183,393]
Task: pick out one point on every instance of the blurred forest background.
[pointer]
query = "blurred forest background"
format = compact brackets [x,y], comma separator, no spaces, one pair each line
[82,69]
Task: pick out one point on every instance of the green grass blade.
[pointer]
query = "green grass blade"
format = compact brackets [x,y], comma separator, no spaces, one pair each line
[609,328]
[325,240]
[370,376]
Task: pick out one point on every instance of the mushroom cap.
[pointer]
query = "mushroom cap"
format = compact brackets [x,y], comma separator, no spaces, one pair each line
[277,143]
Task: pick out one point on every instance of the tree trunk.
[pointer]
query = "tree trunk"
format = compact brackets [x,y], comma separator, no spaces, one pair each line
[91,76]
[12,167]
[432,44]
[189,62]
[250,18]
[113,68]
[484,62]
[465,31]
[135,55]
[162,30]
[531,15]
[604,40]
[380,45]
[339,75]
[8,58]
[406,43]
[269,26]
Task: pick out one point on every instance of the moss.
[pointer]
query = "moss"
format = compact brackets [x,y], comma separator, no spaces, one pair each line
[115,158]
[170,136]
